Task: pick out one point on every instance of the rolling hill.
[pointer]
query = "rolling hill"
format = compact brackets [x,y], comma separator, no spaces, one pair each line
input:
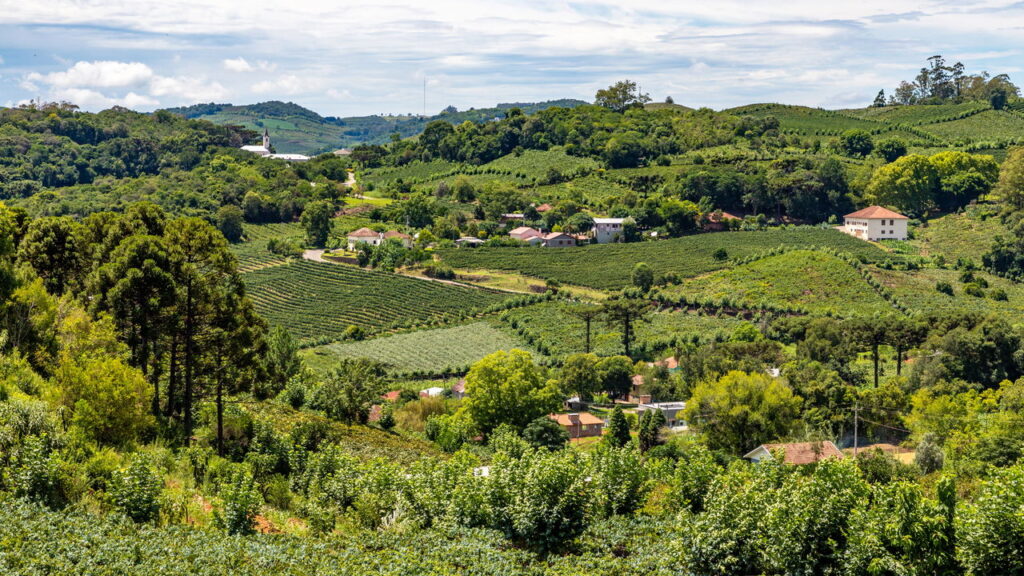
[295,129]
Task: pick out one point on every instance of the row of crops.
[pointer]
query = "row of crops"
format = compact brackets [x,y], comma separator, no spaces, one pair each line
[318,302]
[816,282]
[609,266]
[426,352]
[551,328]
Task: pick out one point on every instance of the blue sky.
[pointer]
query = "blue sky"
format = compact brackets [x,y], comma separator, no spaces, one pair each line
[349,58]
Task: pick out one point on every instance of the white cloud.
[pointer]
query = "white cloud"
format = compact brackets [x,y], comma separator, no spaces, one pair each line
[289,84]
[237,65]
[101,84]
[100,74]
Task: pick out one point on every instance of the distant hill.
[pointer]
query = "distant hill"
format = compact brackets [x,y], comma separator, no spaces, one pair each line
[295,129]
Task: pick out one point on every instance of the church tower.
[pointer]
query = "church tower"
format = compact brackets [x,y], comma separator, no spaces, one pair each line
[266,139]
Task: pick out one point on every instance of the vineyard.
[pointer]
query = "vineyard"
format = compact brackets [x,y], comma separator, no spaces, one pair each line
[535,164]
[918,115]
[989,126]
[591,189]
[808,121]
[438,351]
[917,289]
[816,282]
[318,302]
[608,266]
[552,329]
[957,236]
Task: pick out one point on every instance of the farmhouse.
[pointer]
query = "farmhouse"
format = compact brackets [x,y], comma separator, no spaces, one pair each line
[636,388]
[579,425]
[558,240]
[471,241]
[608,230]
[374,238]
[432,392]
[795,453]
[527,234]
[875,223]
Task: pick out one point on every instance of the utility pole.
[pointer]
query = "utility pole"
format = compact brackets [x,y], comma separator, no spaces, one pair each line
[856,409]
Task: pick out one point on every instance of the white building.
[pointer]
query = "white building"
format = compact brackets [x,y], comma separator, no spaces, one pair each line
[671,411]
[608,230]
[875,223]
[264,150]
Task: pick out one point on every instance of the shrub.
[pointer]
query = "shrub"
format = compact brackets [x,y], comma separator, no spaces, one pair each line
[974,289]
[241,503]
[137,491]
[944,287]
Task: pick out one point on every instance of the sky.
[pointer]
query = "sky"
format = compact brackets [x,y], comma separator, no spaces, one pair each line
[347,58]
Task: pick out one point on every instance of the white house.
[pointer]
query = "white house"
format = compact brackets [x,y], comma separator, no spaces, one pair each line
[526,234]
[875,223]
[364,236]
[432,392]
[608,230]
[671,411]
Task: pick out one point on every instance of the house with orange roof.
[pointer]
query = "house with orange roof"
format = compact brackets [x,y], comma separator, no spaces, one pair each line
[875,223]
[579,424]
[404,238]
[526,234]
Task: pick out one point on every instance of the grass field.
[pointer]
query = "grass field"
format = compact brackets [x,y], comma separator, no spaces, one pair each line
[814,281]
[550,328]
[438,351]
[608,266]
[412,172]
[967,235]
[316,302]
[808,121]
[917,115]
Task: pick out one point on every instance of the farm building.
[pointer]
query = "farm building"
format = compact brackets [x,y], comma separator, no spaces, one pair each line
[432,392]
[795,453]
[875,223]
[459,389]
[558,240]
[636,395]
[470,241]
[608,230]
[374,238]
[527,234]
[671,411]
[579,424]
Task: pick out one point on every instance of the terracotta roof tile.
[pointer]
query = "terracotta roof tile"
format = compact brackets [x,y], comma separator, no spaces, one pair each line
[877,212]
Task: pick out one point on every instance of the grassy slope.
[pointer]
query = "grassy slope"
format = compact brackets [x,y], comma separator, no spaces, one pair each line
[609,266]
[436,351]
[814,281]
[916,289]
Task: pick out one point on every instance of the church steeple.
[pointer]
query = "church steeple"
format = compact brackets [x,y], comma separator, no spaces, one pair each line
[266,139]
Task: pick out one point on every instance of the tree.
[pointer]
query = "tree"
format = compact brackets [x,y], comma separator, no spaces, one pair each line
[229,222]
[1011,178]
[929,456]
[621,96]
[990,532]
[349,391]
[617,434]
[316,219]
[136,491]
[871,332]
[879,100]
[623,313]
[109,400]
[997,98]
[891,149]
[856,143]
[508,388]
[963,177]
[545,433]
[680,216]
[615,374]
[281,361]
[649,429]
[643,276]
[56,248]
[909,184]
[740,411]
[579,375]
[587,313]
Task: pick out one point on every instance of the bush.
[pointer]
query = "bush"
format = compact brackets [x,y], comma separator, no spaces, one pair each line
[944,287]
[545,433]
[137,491]
[974,289]
[241,503]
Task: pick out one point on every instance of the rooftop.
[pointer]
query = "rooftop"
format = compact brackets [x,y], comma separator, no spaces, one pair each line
[576,419]
[608,220]
[877,212]
[363,233]
[802,452]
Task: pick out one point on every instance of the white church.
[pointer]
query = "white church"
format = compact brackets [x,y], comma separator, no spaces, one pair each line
[264,150]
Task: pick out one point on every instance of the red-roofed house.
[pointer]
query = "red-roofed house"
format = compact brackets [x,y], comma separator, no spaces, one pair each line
[558,240]
[579,425]
[543,208]
[392,396]
[875,223]
[796,453]
[636,395]
[363,236]
[459,389]
[405,238]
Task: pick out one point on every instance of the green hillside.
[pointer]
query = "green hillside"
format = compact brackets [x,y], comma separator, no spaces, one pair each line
[295,129]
